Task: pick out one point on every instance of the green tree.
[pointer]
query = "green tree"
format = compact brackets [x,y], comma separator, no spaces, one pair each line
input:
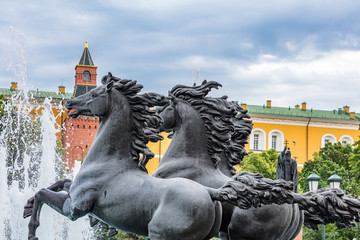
[332,157]
[354,162]
[2,111]
[100,233]
[60,169]
[21,136]
[264,163]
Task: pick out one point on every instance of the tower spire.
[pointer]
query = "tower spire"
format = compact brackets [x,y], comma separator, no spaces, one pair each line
[85,73]
[86,57]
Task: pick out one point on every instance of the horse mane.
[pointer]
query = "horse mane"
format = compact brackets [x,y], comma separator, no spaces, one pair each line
[227,125]
[145,120]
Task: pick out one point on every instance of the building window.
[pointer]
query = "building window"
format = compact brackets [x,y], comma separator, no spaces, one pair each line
[273,141]
[276,140]
[346,140]
[86,76]
[327,138]
[256,141]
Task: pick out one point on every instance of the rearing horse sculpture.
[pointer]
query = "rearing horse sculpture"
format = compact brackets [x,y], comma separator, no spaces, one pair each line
[114,187]
[208,130]
[203,128]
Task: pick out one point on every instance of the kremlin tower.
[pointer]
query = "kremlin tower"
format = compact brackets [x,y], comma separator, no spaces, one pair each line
[80,132]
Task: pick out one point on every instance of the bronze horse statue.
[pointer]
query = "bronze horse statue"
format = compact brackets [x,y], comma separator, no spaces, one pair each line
[114,187]
[209,132]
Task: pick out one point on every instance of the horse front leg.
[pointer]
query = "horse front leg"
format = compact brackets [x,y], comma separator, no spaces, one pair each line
[59,201]
[61,185]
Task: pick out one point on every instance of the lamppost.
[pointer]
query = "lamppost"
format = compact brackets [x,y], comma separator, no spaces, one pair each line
[334,181]
[314,180]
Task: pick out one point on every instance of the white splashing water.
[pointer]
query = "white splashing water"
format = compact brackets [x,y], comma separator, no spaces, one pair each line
[33,158]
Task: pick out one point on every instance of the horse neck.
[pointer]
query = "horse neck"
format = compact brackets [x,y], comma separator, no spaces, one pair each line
[189,141]
[114,136]
[223,166]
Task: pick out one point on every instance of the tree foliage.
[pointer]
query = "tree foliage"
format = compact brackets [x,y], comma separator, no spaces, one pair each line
[2,111]
[345,161]
[21,135]
[264,163]
[101,230]
[331,158]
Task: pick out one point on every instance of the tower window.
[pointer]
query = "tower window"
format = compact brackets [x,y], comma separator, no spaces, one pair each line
[86,76]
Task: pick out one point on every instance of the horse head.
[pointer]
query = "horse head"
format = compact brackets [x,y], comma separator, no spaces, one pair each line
[119,100]
[169,114]
[227,125]
[95,102]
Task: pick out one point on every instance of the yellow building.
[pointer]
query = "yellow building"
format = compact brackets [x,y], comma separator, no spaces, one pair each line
[305,130]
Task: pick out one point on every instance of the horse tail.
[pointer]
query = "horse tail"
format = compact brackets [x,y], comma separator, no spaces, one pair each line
[247,190]
[329,205]
[326,205]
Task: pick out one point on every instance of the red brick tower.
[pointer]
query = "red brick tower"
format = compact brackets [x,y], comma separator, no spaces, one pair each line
[80,132]
[85,73]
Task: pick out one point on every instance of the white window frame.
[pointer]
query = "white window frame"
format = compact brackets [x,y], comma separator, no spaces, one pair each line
[262,139]
[279,139]
[329,136]
[346,137]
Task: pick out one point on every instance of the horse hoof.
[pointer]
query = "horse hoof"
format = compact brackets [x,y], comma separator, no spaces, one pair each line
[112,232]
[27,212]
[33,238]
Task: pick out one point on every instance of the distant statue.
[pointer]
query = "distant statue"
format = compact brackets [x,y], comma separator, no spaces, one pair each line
[287,168]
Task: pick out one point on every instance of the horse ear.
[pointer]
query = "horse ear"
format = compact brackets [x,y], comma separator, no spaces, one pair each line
[173,98]
[105,79]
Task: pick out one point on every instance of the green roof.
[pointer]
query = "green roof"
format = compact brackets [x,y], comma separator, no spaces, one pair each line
[37,94]
[309,113]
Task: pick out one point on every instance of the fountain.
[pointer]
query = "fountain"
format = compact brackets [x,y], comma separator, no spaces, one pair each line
[29,159]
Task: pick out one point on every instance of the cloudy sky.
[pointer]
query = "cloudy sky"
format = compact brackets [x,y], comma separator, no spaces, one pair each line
[287,51]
